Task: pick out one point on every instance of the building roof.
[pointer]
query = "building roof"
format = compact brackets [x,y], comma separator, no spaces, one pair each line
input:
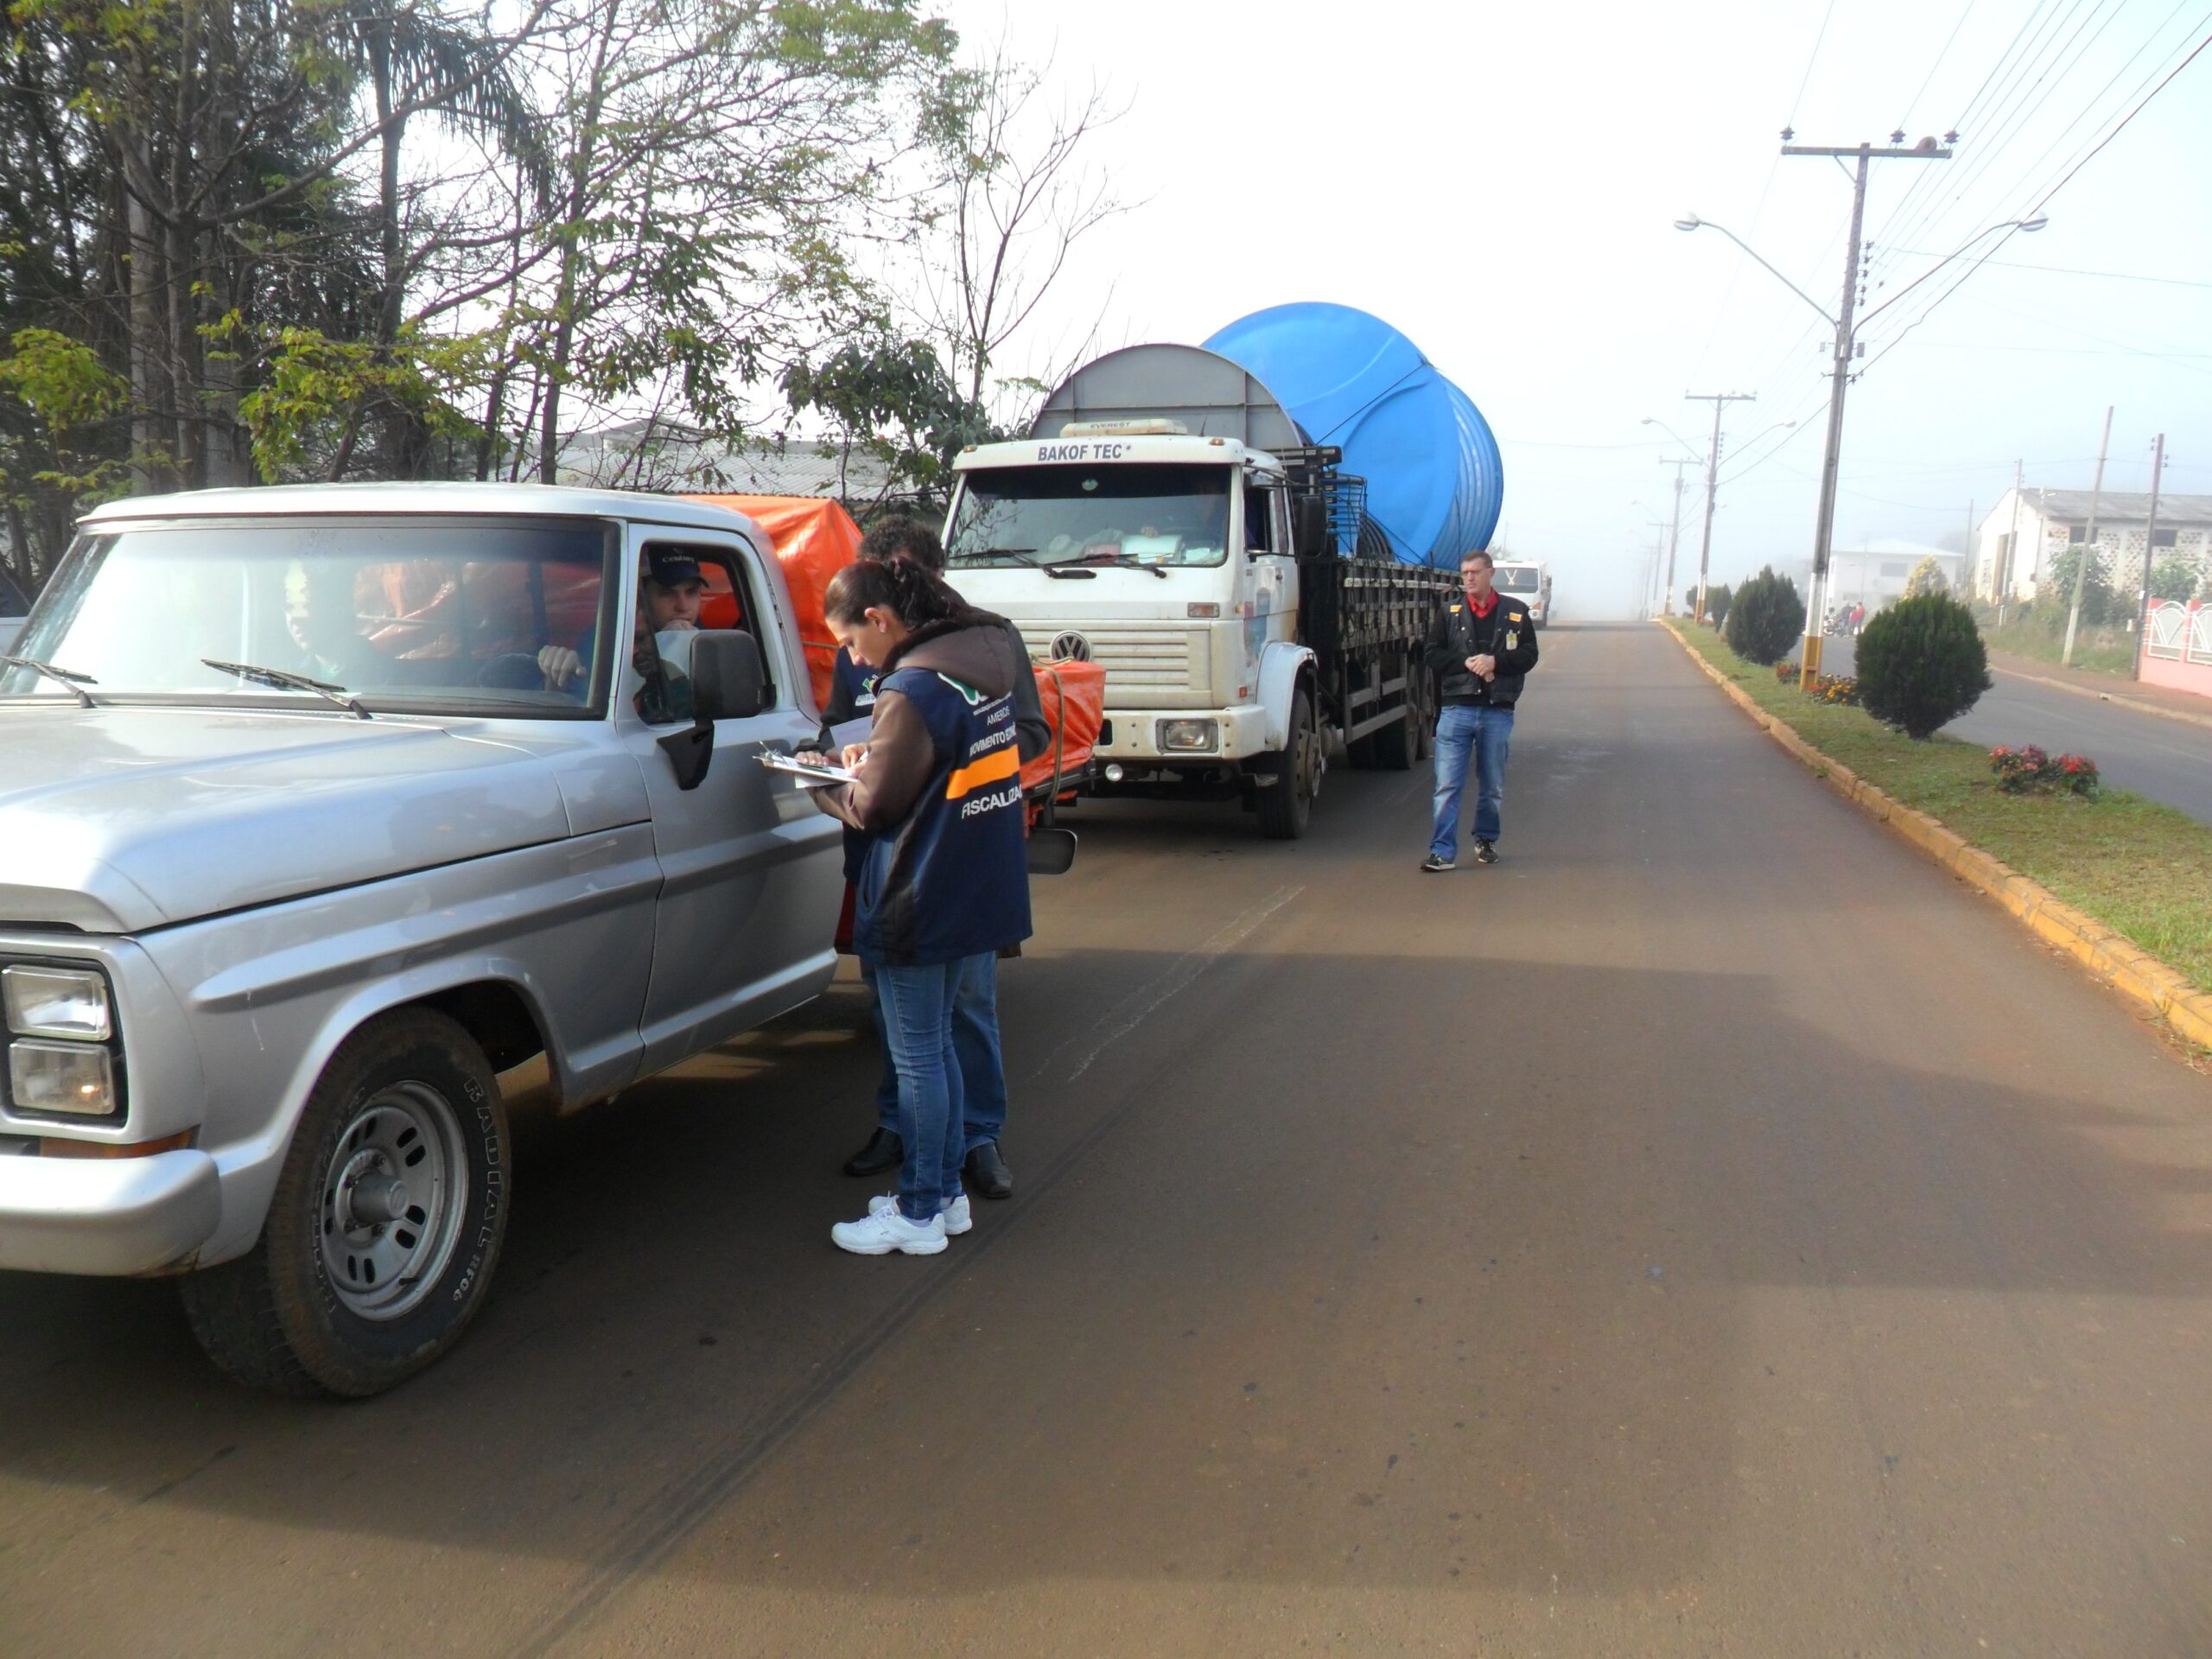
[680,458]
[2119,506]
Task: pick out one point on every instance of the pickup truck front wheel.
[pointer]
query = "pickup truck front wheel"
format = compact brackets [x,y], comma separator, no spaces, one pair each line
[385,1224]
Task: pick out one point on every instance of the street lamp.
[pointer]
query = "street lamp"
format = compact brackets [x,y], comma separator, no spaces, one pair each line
[1845,350]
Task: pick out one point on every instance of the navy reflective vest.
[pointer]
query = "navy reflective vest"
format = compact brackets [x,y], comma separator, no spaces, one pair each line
[952,878]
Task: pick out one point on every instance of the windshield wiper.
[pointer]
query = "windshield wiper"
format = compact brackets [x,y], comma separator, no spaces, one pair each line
[1027,555]
[1124,560]
[290,682]
[75,682]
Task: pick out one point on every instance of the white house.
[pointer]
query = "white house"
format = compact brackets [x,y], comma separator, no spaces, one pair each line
[2025,533]
[1874,573]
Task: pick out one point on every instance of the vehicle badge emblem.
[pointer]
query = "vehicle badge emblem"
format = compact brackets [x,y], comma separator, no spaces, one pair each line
[1070,648]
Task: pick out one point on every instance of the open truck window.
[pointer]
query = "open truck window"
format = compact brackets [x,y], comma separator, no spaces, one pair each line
[1102,516]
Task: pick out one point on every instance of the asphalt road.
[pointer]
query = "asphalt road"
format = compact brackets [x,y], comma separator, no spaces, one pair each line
[2168,761]
[1711,1231]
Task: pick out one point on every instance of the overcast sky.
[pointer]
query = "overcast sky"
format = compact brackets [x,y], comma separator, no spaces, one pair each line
[1502,183]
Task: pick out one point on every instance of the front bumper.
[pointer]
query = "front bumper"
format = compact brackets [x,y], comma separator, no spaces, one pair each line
[1242,733]
[107,1215]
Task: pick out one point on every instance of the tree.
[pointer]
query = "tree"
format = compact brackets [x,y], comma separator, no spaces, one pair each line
[2173,579]
[1927,577]
[1717,601]
[1015,196]
[893,399]
[1922,664]
[2056,595]
[1765,617]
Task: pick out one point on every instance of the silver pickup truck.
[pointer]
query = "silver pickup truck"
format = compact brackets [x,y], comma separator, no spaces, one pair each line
[320,806]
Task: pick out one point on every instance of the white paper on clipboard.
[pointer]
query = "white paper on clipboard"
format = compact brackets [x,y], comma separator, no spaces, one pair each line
[809,777]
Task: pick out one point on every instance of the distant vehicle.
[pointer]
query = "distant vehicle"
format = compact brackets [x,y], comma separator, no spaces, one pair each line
[1529,582]
[14,607]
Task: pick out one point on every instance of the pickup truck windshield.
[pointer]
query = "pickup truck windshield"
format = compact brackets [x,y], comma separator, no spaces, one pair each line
[418,615]
[1101,515]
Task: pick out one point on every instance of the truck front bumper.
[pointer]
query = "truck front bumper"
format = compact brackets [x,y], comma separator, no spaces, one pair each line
[1239,733]
[107,1215]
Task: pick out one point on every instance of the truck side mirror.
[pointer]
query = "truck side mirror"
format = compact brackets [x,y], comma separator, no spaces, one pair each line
[1309,526]
[727,680]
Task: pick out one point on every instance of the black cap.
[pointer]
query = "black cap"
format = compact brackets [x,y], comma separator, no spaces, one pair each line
[671,565]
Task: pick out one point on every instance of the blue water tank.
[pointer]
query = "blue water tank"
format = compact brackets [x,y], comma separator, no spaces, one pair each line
[1435,481]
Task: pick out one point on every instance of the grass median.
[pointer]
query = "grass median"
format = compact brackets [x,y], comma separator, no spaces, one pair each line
[2143,869]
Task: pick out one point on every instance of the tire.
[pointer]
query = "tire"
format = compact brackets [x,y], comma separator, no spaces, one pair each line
[1285,807]
[1422,697]
[406,1123]
[1393,747]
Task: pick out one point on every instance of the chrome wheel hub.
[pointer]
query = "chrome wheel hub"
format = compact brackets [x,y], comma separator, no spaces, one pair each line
[392,1201]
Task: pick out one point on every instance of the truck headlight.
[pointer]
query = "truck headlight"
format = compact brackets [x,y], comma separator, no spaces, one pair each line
[1188,735]
[63,1002]
[72,1077]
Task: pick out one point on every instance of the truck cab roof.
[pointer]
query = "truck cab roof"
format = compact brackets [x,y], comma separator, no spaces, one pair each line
[1086,449]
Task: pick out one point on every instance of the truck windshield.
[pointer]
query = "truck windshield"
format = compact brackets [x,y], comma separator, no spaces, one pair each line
[1150,515]
[1517,578]
[418,615]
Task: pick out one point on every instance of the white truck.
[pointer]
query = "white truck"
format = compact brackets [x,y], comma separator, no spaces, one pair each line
[1169,521]
[1529,581]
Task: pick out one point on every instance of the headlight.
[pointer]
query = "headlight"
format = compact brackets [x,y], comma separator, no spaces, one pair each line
[72,1077]
[57,1002]
[1186,734]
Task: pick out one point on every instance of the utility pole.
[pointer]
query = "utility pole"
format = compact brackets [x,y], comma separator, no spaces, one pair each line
[2089,545]
[1966,560]
[2011,554]
[1719,400]
[2150,552]
[1675,535]
[1824,527]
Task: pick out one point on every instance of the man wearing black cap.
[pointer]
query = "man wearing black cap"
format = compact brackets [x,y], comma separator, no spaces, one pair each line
[670,594]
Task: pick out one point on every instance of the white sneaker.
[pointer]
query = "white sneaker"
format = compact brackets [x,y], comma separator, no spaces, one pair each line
[957,1217]
[882,1231]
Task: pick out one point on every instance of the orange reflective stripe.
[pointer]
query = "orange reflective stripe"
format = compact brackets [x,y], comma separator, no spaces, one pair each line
[999,763]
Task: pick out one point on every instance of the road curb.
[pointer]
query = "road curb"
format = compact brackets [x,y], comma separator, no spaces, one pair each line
[2119,962]
[2119,700]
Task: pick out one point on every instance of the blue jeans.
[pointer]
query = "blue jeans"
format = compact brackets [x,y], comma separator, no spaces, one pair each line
[1487,733]
[974,1041]
[917,1004]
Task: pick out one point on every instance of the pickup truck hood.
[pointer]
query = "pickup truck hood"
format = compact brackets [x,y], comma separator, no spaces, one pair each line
[114,820]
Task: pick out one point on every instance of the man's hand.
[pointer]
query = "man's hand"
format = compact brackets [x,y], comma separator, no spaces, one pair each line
[1485,666]
[854,754]
[559,665]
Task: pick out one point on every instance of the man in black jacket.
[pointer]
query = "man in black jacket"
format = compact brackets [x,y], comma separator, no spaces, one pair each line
[1480,646]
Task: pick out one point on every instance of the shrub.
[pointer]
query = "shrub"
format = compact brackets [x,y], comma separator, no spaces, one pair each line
[2028,770]
[1922,664]
[1766,618]
[1927,577]
[1718,599]
[2172,578]
[2056,595]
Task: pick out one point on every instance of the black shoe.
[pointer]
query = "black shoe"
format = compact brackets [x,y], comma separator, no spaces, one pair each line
[1485,852]
[885,1150]
[1435,865]
[986,1171]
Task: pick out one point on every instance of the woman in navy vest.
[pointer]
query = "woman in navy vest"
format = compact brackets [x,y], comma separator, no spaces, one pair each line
[945,878]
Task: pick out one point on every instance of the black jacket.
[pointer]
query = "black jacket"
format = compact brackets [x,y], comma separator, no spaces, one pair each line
[1457,633]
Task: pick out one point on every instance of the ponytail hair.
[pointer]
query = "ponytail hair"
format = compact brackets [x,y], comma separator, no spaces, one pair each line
[899,586]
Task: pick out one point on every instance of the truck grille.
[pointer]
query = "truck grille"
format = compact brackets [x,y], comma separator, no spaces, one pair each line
[1155,666]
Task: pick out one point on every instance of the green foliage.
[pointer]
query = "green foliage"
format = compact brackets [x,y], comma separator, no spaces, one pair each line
[2173,578]
[2055,597]
[1767,618]
[1927,577]
[1717,601]
[1922,664]
[317,386]
[895,399]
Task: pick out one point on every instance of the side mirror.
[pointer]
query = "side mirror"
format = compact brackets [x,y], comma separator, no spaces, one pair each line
[1309,526]
[727,680]
[1052,852]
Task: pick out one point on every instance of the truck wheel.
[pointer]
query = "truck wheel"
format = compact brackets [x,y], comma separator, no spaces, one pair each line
[1286,805]
[1423,701]
[385,1224]
[1395,746]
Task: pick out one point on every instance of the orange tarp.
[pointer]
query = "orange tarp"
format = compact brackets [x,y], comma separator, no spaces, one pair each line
[1074,696]
[814,540]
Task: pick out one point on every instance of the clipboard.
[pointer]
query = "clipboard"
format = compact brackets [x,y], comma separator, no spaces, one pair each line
[810,776]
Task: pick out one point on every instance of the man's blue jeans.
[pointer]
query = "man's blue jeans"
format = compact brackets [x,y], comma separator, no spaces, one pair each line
[975,1040]
[917,1004]
[1487,733]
